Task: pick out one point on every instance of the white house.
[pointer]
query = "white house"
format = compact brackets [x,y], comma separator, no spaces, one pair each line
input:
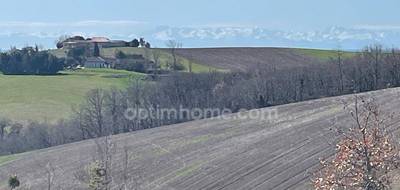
[96,62]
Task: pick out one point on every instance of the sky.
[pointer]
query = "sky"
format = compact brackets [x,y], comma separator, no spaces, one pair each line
[74,16]
[284,14]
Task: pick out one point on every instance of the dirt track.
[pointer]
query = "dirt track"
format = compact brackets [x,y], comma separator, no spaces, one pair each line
[216,153]
[247,58]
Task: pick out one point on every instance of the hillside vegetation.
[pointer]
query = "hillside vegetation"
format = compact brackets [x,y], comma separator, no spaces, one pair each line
[49,98]
[220,153]
[326,55]
[164,57]
[233,59]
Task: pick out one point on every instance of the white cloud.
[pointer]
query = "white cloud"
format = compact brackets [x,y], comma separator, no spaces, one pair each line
[163,35]
[378,27]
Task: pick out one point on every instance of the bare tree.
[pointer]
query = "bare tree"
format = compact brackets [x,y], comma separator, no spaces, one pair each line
[156,58]
[173,46]
[94,114]
[373,56]
[339,63]
[97,175]
[60,40]
[366,153]
[129,181]
[393,60]
[4,123]
[112,103]
[105,151]
[50,175]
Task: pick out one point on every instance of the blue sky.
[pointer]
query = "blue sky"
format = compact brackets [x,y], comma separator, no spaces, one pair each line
[282,14]
[46,19]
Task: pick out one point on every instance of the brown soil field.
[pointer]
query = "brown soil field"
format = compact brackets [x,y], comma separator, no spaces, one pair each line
[219,153]
[241,59]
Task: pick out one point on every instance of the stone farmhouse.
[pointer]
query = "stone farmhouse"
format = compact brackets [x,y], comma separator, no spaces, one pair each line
[96,62]
[89,43]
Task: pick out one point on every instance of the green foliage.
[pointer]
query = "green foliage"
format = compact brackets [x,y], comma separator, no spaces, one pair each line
[13,182]
[75,56]
[135,43]
[177,67]
[147,45]
[325,55]
[29,61]
[164,58]
[96,52]
[120,54]
[97,176]
[59,45]
[6,159]
[142,42]
[137,67]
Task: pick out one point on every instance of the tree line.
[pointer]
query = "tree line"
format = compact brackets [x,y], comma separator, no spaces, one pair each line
[29,60]
[104,111]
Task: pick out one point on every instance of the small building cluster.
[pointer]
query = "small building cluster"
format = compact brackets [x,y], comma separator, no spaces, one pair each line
[131,63]
[97,62]
[90,43]
[93,59]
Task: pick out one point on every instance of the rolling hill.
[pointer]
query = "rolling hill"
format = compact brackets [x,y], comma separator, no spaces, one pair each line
[234,59]
[49,98]
[249,58]
[220,153]
[241,58]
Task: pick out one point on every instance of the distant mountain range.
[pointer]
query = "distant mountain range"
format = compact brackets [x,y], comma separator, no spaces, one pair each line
[331,38]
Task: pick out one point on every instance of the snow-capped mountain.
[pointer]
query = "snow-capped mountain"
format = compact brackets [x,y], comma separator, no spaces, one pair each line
[331,38]
[334,37]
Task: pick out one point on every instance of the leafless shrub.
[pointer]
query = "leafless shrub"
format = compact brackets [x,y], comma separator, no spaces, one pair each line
[365,154]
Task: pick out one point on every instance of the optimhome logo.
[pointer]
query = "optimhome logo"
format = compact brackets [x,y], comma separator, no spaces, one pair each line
[269,115]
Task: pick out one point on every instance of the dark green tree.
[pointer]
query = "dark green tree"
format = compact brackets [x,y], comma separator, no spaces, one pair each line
[135,43]
[13,182]
[120,55]
[29,61]
[147,45]
[142,42]
[96,51]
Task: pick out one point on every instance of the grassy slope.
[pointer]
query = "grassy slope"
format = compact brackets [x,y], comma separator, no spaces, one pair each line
[6,159]
[325,55]
[48,98]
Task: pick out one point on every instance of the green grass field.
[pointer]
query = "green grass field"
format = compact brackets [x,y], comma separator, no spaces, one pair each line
[49,98]
[325,55]
[165,57]
[5,159]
